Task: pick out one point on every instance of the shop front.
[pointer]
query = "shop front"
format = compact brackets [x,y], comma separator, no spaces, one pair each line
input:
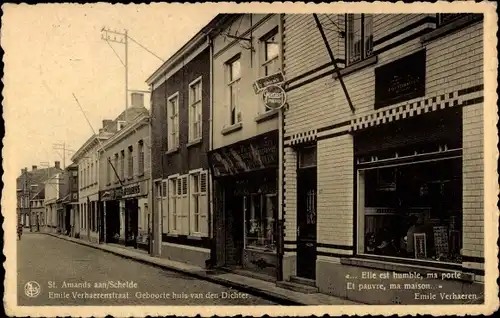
[111,206]
[135,198]
[410,189]
[408,213]
[246,205]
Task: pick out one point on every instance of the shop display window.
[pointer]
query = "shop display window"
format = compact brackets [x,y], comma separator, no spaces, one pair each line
[412,211]
[260,223]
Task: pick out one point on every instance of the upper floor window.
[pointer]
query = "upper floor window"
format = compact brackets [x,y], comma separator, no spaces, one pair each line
[122,164]
[359,37]
[271,51]
[195,110]
[130,161]
[233,80]
[115,168]
[108,171]
[141,157]
[173,121]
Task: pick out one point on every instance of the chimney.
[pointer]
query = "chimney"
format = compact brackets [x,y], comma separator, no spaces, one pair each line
[33,168]
[23,171]
[57,164]
[106,122]
[137,99]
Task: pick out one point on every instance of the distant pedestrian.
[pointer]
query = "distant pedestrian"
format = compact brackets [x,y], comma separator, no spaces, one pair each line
[19,231]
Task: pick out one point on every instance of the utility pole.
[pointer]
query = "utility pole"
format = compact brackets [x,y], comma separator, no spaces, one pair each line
[111,36]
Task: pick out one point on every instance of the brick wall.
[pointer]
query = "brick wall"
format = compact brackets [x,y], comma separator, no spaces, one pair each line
[335,194]
[473,184]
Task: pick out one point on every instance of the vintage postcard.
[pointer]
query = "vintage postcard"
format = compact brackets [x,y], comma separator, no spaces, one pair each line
[227,159]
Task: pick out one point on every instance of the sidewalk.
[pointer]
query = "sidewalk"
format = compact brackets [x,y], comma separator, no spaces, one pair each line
[247,284]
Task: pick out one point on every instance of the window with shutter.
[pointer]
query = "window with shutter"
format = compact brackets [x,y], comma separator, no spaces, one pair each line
[163,201]
[172,207]
[184,217]
[203,204]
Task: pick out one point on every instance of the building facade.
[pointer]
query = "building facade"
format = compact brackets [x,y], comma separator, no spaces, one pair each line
[52,195]
[244,156]
[87,218]
[389,176]
[69,200]
[31,195]
[181,114]
[124,181]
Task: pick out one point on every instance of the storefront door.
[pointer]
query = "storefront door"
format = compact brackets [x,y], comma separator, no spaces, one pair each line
[112,221]
[234,229]
[306,214]
[131,222]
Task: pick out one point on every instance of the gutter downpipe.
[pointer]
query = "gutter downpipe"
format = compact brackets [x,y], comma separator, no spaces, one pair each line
[211,228]
[280,223]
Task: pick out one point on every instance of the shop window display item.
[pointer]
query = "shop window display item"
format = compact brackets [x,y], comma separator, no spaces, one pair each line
[420,247]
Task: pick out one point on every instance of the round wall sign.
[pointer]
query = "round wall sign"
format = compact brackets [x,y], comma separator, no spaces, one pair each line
[274,97]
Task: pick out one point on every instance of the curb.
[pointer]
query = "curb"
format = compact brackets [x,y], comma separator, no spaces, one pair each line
[282,300]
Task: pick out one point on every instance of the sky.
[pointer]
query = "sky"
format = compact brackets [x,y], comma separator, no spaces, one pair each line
[53,51]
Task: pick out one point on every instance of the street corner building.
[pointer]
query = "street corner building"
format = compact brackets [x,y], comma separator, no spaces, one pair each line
[31,199]
[180,133]
[383,160]
[124,178]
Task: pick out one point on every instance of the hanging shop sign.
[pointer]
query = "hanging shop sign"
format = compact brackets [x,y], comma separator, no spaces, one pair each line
[401,80]
[273,79]
[274,97]
[254,154]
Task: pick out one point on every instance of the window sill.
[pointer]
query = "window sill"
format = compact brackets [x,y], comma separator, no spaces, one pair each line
[195,237]
[172,234]
[451,27]
[260,250]
[232,128]
[357,66]
[193,142]
[130,178]
[171,151]
[406,268]
[108,184]
[268,115]
[140,174]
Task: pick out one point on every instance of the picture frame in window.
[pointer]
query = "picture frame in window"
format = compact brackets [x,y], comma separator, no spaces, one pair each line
[420,245]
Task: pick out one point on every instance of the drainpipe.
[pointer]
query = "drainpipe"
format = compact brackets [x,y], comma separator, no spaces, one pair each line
[211,227]
[280,222]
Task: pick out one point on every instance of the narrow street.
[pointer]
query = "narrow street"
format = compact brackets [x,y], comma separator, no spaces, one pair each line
[72,274]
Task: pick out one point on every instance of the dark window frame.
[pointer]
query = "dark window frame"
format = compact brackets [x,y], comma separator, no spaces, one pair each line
[364,54]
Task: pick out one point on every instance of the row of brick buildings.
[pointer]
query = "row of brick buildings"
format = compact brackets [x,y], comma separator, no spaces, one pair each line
[386,174]
[375,166]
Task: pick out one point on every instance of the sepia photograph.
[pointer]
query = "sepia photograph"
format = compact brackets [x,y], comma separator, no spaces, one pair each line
[250,159]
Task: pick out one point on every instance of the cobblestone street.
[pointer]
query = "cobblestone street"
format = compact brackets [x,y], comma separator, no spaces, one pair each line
[72,274]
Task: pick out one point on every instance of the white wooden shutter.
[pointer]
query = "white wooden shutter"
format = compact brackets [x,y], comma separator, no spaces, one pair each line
[178,205]
[203,203]
[163,202]
[185,206]
[172,190]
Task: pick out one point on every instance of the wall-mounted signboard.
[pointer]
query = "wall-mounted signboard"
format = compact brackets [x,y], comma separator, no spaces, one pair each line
[273,79]
[400,80]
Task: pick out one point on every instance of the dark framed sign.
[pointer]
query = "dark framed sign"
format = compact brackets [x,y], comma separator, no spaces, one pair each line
[400,80]
[260,152]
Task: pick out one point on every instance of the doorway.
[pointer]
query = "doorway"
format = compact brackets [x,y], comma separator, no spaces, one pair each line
[131,222]
[234,228]
[112,221]
[306,213]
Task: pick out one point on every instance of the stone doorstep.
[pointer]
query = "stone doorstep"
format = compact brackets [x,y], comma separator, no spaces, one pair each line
[250,285]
